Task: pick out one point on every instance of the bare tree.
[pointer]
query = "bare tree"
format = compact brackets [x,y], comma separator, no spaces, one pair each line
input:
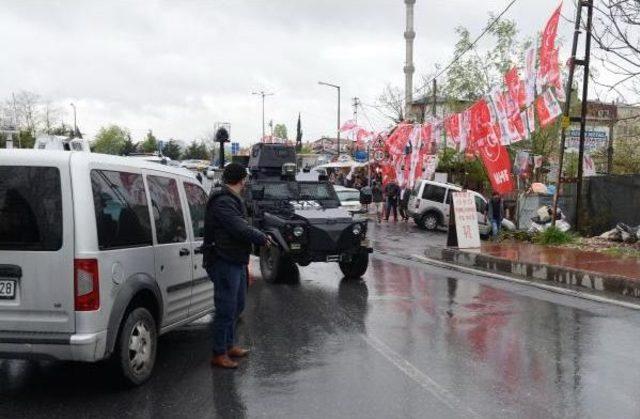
[616,32]
[50,114]
[26,106]
[391,103]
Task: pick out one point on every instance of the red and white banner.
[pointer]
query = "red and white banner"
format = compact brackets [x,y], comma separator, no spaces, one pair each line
[530,75]
[548,108]
[497,162]
[547,49]
[479,121]
[514,87]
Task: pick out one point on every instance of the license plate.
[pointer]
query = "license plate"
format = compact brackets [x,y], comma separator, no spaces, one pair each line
[295,246]
[7,289]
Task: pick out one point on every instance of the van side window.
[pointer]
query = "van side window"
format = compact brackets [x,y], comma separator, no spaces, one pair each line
[197,207]
[433,193]
[121,208]
[481,205]
[167,209]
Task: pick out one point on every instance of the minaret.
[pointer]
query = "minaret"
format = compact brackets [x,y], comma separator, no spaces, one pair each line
[409,36]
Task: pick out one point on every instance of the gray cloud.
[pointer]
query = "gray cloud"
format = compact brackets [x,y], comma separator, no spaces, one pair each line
[179,66]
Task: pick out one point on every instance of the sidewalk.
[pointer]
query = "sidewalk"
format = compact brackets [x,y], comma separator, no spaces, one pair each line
[571,268]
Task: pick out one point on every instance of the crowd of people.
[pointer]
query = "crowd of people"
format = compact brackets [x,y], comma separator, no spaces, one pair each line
[387,199]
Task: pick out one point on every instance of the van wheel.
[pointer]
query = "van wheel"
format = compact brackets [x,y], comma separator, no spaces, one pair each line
[357,267]
[276,267]
[136,346]
[429,221]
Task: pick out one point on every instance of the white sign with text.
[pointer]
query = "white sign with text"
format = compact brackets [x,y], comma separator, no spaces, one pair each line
[466,218]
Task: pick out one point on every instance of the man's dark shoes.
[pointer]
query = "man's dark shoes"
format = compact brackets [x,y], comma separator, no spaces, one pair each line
[237,352]
[223,361]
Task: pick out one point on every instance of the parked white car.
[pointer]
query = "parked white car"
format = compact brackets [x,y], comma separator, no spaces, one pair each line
[349,198]
[98,256]
[429,206]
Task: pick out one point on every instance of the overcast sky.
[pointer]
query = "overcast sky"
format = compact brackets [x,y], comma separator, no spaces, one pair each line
[177,67]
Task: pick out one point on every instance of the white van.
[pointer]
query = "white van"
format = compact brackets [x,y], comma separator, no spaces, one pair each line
[429,206]
[98,256]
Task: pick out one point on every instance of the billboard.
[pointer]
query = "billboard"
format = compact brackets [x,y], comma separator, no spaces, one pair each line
[595,137]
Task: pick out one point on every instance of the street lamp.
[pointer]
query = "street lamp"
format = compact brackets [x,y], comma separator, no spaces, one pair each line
[336,87]
[75,122]
[263,94]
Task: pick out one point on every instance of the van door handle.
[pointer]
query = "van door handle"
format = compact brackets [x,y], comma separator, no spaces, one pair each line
[184,252]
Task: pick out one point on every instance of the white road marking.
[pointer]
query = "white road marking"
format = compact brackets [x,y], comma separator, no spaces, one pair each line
[422,379]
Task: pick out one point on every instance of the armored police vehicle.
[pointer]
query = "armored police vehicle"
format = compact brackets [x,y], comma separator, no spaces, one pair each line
[303,217]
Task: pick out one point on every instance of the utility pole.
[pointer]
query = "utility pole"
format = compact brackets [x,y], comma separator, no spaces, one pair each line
[335,86]
[263,94]
[356,104]
[409,69]
[75,121]
[566,118]
[15,119]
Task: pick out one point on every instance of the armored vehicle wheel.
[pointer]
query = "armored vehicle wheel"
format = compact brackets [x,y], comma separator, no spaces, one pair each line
[275,267]
[356,267]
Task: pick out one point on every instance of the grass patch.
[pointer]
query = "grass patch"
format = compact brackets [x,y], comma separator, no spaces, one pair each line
[622,251]
[553,237]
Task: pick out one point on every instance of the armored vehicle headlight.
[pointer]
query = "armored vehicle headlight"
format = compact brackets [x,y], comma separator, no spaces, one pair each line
[298,231]
[357,229]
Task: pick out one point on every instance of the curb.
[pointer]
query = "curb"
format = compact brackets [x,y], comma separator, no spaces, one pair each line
[611,286]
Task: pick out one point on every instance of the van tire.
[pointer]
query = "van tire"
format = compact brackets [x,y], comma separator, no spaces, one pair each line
[136,347]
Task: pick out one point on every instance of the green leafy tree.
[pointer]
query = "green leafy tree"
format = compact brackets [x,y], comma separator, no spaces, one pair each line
[280,131]
[197,150]
[129,147]
[149,144]
[110,140]
[172,150]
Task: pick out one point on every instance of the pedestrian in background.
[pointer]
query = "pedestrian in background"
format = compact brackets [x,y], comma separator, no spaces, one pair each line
[377,198]
[228,240]
[404,203]
[391,191]
[496,213]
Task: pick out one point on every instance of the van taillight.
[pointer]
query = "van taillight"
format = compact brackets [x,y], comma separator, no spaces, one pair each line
[86,284]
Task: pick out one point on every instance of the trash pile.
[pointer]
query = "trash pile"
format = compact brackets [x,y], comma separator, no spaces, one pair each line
[542,220]
[622,233]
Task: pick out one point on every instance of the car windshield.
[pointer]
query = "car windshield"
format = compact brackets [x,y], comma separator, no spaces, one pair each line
[291,191]
[346,196]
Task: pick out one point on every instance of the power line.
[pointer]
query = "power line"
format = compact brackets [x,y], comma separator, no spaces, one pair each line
[470,47]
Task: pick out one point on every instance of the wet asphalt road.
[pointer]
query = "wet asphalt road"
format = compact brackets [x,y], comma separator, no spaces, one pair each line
[409,340]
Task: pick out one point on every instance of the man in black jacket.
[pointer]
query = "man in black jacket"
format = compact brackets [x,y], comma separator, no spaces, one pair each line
[228,239]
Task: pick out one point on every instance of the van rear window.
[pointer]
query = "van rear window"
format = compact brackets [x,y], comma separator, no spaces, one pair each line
[30,208]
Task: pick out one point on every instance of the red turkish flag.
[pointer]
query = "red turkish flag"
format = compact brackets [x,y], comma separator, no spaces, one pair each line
[398,140]
[496,160]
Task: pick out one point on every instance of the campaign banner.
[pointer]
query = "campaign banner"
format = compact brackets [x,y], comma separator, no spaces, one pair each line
[497,163]
[466,219]
[595,138]
[547,48]
[548,108]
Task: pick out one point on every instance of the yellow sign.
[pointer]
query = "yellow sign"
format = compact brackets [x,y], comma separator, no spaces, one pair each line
[566,121]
